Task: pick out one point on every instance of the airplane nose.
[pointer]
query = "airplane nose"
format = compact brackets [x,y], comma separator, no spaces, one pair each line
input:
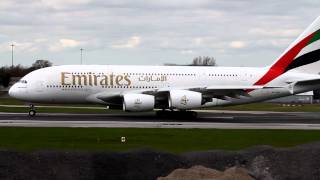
[12,91]
[18,91]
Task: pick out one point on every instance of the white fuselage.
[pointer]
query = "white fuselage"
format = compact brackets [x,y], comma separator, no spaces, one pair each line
[143,88]
[83,83]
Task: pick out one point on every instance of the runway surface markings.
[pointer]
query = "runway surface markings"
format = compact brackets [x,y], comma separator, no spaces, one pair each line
[149,120]
[132,124]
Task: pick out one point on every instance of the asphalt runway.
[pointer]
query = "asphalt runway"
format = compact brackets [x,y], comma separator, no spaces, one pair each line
[206,119]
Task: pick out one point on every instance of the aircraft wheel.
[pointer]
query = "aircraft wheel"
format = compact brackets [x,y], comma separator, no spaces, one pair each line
[32,113]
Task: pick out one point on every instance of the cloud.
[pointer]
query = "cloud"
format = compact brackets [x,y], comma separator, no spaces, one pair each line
[186,52]
[294,32]
[18,46]
[198,41]
[163,30]
[41,40]
[64,44]
[61,4]
[5,4]
[237,44]
[132,42]
[40,44]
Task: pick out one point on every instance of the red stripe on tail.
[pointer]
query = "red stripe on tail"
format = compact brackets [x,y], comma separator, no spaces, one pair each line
[279,67]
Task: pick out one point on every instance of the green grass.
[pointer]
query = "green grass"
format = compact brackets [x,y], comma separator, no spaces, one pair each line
[170,140]
[11,101]
[54,110]
[68,109]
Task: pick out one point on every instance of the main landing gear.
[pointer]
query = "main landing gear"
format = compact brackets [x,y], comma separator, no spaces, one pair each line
[32,111]
[177,114]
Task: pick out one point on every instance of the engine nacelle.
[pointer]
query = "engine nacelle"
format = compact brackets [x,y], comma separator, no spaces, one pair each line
[138,102]
[183,99]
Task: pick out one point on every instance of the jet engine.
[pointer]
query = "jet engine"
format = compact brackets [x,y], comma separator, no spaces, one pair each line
[184,99]
[138,102]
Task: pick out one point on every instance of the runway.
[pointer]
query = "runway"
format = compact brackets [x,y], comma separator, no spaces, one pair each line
[206,119]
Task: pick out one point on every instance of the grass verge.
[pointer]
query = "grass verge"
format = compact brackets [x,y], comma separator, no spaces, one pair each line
[171,140]
[55,110]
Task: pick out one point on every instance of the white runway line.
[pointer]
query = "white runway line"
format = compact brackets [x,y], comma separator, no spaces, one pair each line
[239,112]
[130,124]
[200,110]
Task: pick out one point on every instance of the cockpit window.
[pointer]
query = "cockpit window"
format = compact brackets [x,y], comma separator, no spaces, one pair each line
[22,81]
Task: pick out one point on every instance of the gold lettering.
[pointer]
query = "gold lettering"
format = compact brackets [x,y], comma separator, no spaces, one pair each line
[111,79]
[127,78]
[90,80]
[80,78]
[63,78]
[95,79]
[104,81]
[119,78]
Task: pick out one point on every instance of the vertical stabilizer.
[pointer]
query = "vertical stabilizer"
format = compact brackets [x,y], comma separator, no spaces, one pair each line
[304,50]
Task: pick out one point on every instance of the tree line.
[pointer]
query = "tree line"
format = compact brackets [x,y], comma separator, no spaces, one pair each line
[198,61]
[7,73]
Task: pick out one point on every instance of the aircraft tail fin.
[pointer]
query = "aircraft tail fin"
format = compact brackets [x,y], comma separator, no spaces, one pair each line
[304,50]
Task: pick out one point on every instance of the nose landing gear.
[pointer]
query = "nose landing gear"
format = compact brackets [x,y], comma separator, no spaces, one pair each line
[32,111]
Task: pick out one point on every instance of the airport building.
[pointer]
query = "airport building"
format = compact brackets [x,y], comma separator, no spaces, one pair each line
[303,98]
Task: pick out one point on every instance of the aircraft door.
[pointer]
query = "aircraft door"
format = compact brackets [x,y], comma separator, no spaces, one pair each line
[244,77]
[40,86]
[204,78]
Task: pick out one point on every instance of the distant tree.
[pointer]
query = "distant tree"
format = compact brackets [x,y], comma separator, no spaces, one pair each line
[41,64]
[170,64]
[198,61]
[6,73]
[5,77]
[18,71]
[204,61]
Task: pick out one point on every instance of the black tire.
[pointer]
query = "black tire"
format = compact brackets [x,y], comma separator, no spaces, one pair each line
[32,113]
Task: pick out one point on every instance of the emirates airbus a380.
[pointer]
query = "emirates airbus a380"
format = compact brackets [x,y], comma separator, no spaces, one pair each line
[144,88]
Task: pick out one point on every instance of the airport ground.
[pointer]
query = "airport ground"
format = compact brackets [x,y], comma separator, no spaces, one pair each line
[96,128]
[164,139]
[12,105]
[85,142]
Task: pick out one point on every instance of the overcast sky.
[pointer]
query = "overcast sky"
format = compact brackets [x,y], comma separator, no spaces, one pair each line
[153,32]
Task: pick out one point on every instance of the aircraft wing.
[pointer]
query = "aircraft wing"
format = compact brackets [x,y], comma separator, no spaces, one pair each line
[219,92]
[225,92]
